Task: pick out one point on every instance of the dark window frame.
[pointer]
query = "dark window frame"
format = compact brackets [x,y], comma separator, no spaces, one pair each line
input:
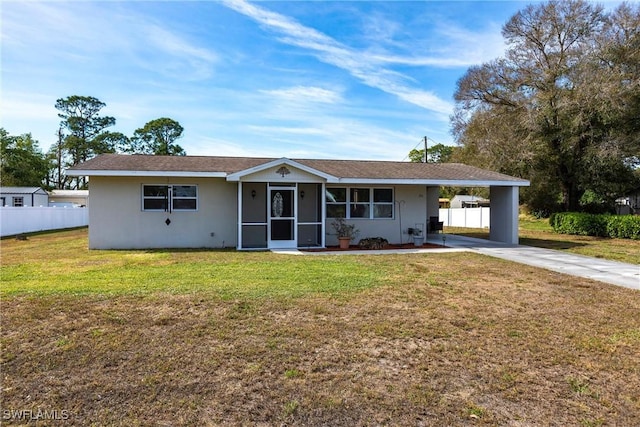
[360,203]
[169,198]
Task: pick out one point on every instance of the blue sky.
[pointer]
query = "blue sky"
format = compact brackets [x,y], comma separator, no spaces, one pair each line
[321,79]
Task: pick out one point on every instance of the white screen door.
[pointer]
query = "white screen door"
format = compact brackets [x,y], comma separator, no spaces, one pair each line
[282,217]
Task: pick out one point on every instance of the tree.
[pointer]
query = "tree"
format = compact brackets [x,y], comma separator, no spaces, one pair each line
[157,137]
[438,153]
[561,106]
[108,142]
[57,161]
[85,127]
[22,163]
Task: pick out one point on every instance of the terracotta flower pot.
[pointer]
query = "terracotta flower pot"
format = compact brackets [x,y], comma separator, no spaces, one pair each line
[344,242]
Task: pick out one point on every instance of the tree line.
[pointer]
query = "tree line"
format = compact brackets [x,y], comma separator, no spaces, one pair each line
[561,108]
[83,133]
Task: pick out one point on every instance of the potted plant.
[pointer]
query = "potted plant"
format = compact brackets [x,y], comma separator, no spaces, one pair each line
[346,232]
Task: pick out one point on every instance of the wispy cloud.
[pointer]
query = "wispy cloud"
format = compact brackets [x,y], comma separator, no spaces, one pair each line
[82,32]
[359,64]
[381,30]
[444,43]
[176,55]
[306,94]
[469,47]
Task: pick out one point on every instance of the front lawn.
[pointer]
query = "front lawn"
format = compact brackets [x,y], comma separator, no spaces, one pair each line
[219,337]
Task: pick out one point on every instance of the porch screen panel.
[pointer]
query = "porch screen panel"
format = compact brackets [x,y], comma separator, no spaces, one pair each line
[254,203]
[309,203]
[310,215]
[309,235]
[254,236]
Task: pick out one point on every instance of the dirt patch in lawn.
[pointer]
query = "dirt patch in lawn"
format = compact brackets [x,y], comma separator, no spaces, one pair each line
[485,342]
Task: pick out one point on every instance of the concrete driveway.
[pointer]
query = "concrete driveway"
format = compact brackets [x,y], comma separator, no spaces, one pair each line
[613,272]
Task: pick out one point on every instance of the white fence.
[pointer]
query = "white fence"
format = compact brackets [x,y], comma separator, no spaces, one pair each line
[465,217]
[29,219]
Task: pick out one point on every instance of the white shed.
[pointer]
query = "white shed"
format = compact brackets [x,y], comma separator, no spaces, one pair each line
[23,196]
[79,198]
[468,201]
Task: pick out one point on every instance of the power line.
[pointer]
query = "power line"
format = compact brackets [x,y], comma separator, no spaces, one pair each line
[423,143]
[415,146]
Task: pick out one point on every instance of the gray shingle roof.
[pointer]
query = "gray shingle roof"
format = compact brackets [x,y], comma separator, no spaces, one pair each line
[21,190]
[342,169]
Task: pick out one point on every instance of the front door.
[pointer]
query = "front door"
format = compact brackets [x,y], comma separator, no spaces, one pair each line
[282,217]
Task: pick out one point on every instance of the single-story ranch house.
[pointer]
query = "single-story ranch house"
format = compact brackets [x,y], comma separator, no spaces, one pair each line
[143,201]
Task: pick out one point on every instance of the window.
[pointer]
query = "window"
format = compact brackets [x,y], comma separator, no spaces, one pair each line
[184,198]
[336,199]
[155,197]
[382,203]
[368,203]
[359,206]
[18,202]
[169,198]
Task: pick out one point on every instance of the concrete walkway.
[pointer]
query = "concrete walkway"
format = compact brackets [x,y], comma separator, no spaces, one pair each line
[615,273]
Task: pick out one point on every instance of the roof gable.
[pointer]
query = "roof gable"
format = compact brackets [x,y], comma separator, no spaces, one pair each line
[281,165]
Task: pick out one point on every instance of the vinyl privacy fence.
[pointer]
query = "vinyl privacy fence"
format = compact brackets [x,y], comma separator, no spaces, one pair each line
[29,219]
[465,217]
[15,221]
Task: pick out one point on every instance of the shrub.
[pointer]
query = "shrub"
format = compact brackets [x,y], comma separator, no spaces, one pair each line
[583,224]
[624,227]
[373,243]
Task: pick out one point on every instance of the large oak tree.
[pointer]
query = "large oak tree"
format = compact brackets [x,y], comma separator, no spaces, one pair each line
[562,107]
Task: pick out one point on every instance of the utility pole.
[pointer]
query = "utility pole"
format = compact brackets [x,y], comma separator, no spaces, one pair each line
[425,150]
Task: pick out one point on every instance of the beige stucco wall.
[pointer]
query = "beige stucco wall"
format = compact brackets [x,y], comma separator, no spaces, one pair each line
[410,209]
[272,175]
[116,219]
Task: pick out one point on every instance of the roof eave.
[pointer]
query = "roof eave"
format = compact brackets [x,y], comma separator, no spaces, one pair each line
[114,173]
[434,182]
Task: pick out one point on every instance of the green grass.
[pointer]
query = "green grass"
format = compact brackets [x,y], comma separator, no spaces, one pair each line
[63,265]
[153,272]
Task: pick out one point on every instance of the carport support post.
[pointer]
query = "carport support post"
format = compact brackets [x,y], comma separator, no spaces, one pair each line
[433,204]
[504,215]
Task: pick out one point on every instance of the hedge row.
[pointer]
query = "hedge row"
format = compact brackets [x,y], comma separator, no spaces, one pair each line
[583,224]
